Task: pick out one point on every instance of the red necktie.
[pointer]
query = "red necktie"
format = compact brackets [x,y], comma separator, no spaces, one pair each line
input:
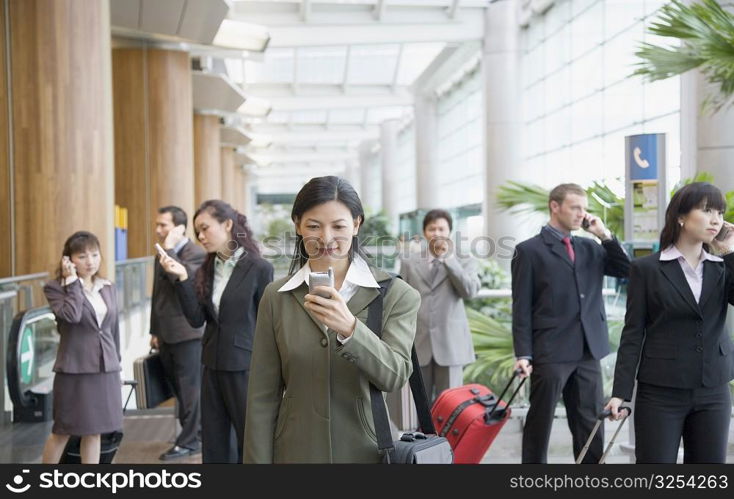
[569,249]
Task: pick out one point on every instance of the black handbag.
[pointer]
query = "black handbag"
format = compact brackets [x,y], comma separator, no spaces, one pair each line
[420,447]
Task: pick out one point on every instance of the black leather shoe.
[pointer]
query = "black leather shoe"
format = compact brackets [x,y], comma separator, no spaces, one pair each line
[175,452]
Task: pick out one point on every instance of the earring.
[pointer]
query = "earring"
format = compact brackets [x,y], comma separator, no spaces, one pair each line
[681,224]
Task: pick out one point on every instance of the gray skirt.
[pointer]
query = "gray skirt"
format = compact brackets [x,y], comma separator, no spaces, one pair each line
[87,404]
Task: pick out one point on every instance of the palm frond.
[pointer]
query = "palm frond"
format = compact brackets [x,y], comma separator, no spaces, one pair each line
[705,33]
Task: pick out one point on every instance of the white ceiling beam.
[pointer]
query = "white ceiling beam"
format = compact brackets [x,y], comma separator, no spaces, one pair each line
[463,29]
[396,73]
[305,10]
[300,157]
[347,60]
[451,11]
[380,9]
[281,97]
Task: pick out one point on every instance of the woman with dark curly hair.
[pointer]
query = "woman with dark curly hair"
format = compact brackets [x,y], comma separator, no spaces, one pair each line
[226,295]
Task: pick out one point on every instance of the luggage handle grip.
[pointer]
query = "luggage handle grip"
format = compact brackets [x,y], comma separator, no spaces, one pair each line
[605,414]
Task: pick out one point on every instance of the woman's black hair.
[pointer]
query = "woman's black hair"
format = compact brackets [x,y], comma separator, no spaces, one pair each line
[695,195]
[320,190]
[79,242]
[241,235]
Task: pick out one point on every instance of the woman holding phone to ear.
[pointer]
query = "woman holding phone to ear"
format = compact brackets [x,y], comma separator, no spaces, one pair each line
[314,357]
[224,294]
[87,396]
[674,341]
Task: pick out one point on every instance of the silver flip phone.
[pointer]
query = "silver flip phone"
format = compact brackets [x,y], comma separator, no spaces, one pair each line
[320,279]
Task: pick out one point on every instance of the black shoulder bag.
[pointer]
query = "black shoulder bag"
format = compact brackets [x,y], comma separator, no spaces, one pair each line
[423,447]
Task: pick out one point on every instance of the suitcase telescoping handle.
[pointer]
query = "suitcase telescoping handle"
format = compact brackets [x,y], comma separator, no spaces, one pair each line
[515,374]
[133,386]
[600,418]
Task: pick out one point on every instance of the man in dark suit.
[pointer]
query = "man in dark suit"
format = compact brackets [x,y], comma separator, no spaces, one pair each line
[178,342]
[559,323]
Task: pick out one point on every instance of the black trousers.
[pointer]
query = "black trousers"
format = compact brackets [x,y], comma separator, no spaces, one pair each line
[665,415]
[580,385]
[223,403]
[182,365]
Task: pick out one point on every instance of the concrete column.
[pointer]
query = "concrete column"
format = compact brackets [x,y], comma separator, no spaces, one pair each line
[60,129]
[207,158]
[428,192]
[389,163]
[154,154]
[352,174]
[369,176]
[500,66]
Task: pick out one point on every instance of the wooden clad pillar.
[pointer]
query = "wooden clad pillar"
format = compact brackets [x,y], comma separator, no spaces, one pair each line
[239,186]
[61,112]
[207,158]
[153,138]
[228,176]
[6,251]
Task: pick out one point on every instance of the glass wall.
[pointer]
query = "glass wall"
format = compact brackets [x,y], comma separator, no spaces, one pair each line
[460,143]
[578,99]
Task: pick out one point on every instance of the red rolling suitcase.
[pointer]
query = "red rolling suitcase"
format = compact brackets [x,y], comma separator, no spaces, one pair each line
[470,417]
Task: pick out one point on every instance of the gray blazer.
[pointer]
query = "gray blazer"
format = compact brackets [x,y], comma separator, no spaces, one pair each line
[85,347]
[443,329]
[167,320]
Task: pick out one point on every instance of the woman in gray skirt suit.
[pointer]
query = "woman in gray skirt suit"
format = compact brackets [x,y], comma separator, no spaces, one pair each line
[87,395]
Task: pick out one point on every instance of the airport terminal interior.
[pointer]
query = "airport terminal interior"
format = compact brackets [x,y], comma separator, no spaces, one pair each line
[110,109]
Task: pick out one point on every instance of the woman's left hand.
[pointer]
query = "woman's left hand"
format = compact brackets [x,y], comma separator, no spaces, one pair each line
[332,312]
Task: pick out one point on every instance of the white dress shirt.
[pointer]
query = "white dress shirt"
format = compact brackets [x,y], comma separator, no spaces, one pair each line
[693,276]
[222,272]
[358,275]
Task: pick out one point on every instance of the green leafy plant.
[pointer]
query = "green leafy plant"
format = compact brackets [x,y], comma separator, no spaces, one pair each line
[705,32]
[518,197]
[494,350]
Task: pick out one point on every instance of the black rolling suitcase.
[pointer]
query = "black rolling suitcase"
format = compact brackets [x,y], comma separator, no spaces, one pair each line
[109,444]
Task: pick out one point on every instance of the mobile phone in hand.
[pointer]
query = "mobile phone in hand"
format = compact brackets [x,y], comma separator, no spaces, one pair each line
[160,249]
[585,224]
[723,233]
[320,279]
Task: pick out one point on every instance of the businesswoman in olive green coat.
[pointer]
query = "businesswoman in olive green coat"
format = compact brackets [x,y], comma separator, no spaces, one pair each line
[313,357]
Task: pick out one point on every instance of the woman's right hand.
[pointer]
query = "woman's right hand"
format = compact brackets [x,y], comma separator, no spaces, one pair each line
[613,406]
[68,269]
[172,266]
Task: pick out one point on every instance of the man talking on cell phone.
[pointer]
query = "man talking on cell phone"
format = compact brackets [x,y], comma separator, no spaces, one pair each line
[559,323]
[179,343]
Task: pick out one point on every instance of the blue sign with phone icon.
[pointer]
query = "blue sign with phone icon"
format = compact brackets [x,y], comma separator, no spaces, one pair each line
[642,153]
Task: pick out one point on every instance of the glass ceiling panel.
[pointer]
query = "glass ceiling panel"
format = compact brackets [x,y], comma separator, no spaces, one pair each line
[308,117]
[372,64]
[378,115]
[346,116]
[276,68]
[321,64]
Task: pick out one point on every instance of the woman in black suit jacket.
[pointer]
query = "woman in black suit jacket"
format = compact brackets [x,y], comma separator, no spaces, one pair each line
[225,296]
[674,328]
[87,398]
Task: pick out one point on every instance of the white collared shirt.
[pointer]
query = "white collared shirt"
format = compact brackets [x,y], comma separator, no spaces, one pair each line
[693,276]
[358,275]
[94,297]
[222,272]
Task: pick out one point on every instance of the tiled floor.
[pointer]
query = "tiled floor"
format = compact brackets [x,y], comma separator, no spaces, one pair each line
[147,436]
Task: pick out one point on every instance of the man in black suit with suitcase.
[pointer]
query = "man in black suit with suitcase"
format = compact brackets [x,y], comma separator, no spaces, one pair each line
[179,343]
[559,323]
